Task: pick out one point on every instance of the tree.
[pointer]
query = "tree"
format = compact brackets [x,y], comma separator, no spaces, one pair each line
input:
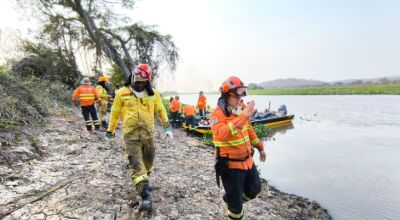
[44,62]
[117,77]
[384,80]
[357,82]
[95,24]
[253,86]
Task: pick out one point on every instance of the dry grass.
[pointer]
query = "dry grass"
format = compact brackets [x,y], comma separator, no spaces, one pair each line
[28,100]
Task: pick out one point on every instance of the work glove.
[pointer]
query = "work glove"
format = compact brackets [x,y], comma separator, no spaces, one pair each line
[168,133]
[109,134]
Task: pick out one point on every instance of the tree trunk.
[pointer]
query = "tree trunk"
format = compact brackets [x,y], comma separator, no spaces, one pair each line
[123,45]
[99,38]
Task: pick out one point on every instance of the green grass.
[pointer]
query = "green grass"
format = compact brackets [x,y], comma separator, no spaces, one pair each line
[388,89]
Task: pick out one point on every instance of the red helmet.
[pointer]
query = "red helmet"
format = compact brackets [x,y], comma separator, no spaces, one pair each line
[234,86]
[143,70]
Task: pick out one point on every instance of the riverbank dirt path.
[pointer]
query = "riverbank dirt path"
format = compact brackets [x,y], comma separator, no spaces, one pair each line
[81,175]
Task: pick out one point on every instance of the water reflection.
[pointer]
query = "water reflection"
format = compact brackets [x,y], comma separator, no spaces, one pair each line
[344,152]
[279,130]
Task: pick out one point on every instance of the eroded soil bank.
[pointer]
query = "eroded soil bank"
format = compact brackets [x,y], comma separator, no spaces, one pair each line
[63,172]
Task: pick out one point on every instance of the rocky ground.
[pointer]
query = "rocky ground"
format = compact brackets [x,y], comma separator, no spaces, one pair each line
[64,172]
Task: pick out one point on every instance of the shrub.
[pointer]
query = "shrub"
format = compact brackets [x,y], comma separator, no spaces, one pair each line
[26,100]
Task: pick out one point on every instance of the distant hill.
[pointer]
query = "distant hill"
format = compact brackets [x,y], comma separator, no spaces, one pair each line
[370,80]
[169,93]
[307,83]
[292,83]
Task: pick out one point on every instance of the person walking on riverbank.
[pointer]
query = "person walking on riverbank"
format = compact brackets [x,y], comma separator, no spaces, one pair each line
[234,139]
[86,95]
[102,89]
[138,103]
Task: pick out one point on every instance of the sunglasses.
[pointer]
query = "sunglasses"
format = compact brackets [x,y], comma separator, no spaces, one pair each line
[141,72]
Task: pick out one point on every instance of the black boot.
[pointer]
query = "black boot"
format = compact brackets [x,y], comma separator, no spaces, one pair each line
[104,124]
[96,127]
[145,205]
[89,128]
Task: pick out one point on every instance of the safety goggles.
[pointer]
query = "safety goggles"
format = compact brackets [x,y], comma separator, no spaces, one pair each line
[239,91]
[140,72]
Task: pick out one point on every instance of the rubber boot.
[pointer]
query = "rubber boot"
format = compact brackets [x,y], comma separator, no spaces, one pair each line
[104,124]
[97,127]
[146,204]
[89,128]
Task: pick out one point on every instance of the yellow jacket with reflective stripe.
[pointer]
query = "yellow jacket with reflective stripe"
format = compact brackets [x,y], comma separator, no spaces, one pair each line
[234,136]
[137,114]
[102,93]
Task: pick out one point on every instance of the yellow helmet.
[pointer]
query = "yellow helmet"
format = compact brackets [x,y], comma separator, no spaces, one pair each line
[103,79]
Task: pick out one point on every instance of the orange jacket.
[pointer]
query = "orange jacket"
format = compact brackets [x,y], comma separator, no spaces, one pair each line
[234,136]
[243,106]
[175,106]
[202,102]
[189,110]
[86,94]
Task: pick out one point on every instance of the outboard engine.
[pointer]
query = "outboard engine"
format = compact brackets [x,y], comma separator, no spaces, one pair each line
[282,110]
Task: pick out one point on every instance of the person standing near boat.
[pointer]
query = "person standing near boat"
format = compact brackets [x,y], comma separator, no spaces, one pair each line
[175,107]
[234,139]
[190,112]
[202,105]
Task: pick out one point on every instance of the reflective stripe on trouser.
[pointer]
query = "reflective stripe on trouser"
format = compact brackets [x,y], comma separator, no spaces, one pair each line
[102,108]
[240,186]
[90,112]
[190,122]
[235,216]
[141,156]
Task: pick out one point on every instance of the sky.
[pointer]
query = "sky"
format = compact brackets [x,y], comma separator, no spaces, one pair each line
[260,40]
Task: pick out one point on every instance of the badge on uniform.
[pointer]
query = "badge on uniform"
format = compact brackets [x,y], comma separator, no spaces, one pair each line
[214,121]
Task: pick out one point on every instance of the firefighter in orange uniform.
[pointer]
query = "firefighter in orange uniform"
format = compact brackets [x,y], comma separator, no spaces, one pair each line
[235,139]
[190,112]
[202,105]
[175,107]
[86,95]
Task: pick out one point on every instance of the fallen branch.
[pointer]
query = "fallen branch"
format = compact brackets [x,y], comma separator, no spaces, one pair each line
[30,198]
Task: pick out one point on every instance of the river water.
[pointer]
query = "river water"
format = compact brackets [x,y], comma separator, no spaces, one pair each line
[342,151]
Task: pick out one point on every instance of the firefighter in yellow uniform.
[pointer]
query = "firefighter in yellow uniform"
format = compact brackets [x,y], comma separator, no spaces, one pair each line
[138,103]
[102,89]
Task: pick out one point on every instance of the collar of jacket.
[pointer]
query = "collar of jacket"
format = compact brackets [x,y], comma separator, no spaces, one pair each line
[142,94]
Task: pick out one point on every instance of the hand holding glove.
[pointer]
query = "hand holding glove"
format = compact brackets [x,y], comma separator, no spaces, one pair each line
[168,133]
[263,155]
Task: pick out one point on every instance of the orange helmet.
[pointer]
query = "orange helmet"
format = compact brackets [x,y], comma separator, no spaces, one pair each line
[234,86]
[143,70]
[103,79]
